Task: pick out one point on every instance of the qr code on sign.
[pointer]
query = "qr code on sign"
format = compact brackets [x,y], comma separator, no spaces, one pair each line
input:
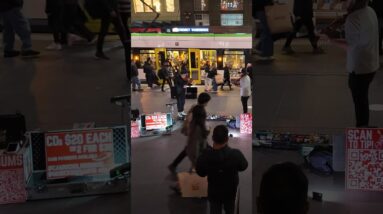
[12,187]
[366,171]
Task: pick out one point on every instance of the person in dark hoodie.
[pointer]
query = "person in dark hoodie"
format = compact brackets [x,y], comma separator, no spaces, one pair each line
[15,23]
[221,165]
[303,12]
[266,44]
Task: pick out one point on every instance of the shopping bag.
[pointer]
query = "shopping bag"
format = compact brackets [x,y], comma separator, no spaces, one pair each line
[192,185]
[278,18]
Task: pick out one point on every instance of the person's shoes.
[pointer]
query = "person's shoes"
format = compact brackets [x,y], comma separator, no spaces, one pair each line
[318,51]
[288,50]
[172,169]
[10,54]
[140,89]
[134,89]
[30,53]
[183,113]
[54,47]
[180,115]
[101,55]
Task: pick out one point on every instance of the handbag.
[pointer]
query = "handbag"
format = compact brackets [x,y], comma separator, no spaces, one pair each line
[278,18]
[192,185]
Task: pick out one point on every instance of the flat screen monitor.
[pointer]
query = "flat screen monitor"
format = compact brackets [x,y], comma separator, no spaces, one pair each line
[156,121]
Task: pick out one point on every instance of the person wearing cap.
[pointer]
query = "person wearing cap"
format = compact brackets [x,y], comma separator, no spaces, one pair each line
[221,165]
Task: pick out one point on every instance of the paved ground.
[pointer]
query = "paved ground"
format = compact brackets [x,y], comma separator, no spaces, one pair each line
[151,156]
[307,93]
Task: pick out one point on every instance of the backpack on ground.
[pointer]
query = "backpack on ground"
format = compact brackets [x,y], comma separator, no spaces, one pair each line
[320,160]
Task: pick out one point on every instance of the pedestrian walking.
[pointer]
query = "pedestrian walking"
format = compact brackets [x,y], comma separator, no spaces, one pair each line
[149,72]
[203,100]
[213,76]
[15,23]
[197,136]
[163,74]
[266,43]
[221,164]
[55,13]
[124,10]
[303,12]
[226,76]
[208,79]
[107,11]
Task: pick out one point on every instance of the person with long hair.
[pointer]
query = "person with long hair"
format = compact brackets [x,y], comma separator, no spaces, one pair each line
[197,136]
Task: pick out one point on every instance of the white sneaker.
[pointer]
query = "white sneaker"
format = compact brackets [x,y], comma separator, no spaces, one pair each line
[183,113]
[53,47]
[180,114]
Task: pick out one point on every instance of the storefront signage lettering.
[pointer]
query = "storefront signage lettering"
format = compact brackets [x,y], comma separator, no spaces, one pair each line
[231,4]
[188,30]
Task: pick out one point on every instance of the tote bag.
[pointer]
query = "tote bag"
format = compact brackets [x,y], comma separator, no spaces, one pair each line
[192,185]
[278,18]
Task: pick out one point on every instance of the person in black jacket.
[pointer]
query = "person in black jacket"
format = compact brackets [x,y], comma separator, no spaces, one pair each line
[107,11]
[221,165]
[163,73]
[226,76]
[15,22]
[74,21]
[149,73]
[303,12]
[377,5]
[283,189]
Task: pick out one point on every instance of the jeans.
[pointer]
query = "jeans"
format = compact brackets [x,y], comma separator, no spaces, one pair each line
[215,85]
[216,207]
[136,82]
[359,85]
[266,44]
[308,22]
[208,83]
[244,104]
[15,22]
[181,100]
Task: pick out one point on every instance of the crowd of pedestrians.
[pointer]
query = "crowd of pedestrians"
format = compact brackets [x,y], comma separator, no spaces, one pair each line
[66,19]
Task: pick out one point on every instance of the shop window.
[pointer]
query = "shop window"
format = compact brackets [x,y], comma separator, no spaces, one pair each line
[144,54]
[158,5]
[230,5]
[202,19]
[176,57]
[232,19]
[200,5]
[236,59]
[170,6]
[208,55]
